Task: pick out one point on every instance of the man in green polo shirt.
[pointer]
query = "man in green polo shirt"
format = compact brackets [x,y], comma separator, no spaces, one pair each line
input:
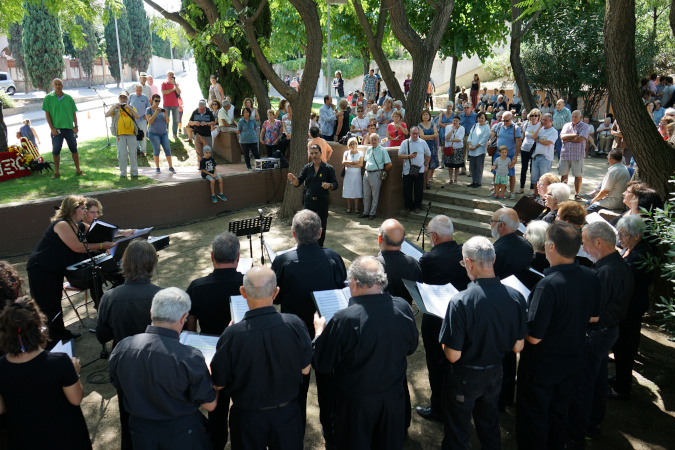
[60,110]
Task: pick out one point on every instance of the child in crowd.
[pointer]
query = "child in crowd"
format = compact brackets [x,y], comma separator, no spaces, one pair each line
[314,120]
[501,167]
[207,166]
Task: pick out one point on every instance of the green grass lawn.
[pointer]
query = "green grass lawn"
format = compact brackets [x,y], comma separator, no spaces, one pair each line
[101,168]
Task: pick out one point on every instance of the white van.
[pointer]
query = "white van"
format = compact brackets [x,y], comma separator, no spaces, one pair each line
[6,83]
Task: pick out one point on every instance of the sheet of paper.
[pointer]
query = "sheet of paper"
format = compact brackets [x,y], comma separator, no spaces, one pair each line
[64,347]
[410,250]
[436,298]
[138,233]
[244,265]
[202,342]
[347,293]
[330,302]
[595,217]
[522,228]
[516,284]
[238,307]
[537,272]
[272,254]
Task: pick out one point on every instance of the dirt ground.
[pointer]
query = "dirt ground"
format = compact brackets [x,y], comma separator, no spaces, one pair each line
[645,421]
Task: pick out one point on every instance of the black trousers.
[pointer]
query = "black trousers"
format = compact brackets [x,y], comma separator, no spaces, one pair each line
[466,393]
[319,206]
[436,361]
[413,189]
[371,421]
[525,165]
[325,388]
[46,289]
[270,149]
[508,381]
[124,422]
[250,148]
[625,351]
[542,407]
[185,432]
[275,429]
[218,423]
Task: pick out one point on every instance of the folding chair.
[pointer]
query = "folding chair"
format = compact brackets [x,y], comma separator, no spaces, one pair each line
[67,287]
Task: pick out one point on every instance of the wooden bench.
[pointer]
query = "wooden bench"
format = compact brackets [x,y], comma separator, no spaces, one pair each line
[227,146]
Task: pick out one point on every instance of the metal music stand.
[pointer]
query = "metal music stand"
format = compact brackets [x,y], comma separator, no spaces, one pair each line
[105,118]
[249,227]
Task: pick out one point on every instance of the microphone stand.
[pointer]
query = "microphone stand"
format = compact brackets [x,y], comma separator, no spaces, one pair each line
[262,240]
[105,119]
[423,228]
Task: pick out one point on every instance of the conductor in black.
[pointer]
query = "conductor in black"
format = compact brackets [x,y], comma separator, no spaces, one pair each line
[319,178]
[365,346]
[482,324]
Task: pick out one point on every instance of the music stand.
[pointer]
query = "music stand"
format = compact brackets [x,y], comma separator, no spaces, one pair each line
[105,118]
[248,227]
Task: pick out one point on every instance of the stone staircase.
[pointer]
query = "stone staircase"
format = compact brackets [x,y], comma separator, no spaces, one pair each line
[469,209]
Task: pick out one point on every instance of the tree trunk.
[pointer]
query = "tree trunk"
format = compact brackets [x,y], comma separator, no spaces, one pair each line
[3,130]
[365,54]
[655,157]
[418,90]
[453,76]
[517,34]
[671,17]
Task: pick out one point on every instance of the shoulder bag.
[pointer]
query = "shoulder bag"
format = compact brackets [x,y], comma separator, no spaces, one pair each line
[414,170]
[448,151]
[492,143]
[383,173]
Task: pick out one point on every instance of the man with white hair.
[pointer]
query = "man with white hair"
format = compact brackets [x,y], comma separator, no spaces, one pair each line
[164,382]
[440,266]
[170,100]
[561,116]
[513,256]
[366,346]
[259,362]
[574,135]
[556,193]
[482,324]
[587,409]
[140,102]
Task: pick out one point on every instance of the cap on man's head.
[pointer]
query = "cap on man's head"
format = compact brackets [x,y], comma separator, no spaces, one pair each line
[207,149]
[143,75]
[226,102]
[124,93]
[202,102]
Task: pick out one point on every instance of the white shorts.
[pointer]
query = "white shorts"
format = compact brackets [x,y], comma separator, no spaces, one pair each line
[577,167]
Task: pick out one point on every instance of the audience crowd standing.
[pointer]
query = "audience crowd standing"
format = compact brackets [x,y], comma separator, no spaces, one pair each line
[587,296]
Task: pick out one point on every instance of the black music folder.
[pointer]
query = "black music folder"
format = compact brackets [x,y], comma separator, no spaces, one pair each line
[527,209]
[100,231]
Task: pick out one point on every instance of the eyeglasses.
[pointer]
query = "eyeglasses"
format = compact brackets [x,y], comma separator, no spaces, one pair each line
[534,115]
[494,221]
[463,262]
[156,101]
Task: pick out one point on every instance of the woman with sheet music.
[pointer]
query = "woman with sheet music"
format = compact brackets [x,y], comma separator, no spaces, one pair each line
[40,391]
[60,246]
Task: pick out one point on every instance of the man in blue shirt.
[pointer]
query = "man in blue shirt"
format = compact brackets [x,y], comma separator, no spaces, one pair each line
[509,134]
[327,118]
[141,103]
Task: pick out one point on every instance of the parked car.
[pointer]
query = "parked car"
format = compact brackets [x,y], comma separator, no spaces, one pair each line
[6,83]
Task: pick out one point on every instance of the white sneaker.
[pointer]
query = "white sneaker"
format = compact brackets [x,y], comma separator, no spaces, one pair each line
[512,195]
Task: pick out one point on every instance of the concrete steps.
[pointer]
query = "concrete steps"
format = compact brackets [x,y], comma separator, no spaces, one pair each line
[469,209]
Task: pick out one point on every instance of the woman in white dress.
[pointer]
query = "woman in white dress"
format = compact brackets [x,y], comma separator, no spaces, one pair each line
[352,186]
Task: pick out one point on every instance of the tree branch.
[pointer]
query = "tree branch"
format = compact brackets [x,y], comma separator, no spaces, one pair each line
[255,16]
[432,3]
[402,28]
[174,16]
[671,17]
[210,9]
[525,28]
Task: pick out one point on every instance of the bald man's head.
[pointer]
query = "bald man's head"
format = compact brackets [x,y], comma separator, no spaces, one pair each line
[504,221]
[260,284]
[392,234]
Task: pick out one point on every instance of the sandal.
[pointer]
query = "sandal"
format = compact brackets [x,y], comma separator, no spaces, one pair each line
[428,185]
[578,198]
[349,211]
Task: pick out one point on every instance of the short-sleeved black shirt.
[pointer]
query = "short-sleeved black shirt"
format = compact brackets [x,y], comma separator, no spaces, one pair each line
[440,266]
[259,360]
[616,288]
[161,378]
[560,307]
[399,267]
[210,298]
[366,344]
[513,255]
[484,322]
[207,116]
[125,310]
[313,179]
[302,271]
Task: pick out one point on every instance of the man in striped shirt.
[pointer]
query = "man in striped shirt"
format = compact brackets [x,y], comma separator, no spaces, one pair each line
[573,135]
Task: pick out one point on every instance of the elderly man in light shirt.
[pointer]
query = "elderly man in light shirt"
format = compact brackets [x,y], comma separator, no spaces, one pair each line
[610,194]
[141,103]
[327,118]
[414,152]
[574,136]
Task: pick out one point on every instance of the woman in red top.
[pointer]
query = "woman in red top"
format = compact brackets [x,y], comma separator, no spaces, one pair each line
[396,131]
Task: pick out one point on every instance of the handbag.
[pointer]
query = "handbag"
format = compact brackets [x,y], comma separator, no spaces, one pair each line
[414,169]
[344,171]
[383,173]
[492,143]
[448,151]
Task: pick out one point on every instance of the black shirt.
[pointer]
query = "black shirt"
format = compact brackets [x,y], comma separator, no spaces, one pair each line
[365,345]
[302,271]
[514,254]
[616,288]
[642,277]
[539,263]
[560,307]
[52,254]
[210,298]
[207,116]
[259,360]
[313,179]
[440,266]
[125,310]
[484,322]
[399,267]
[161,378]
